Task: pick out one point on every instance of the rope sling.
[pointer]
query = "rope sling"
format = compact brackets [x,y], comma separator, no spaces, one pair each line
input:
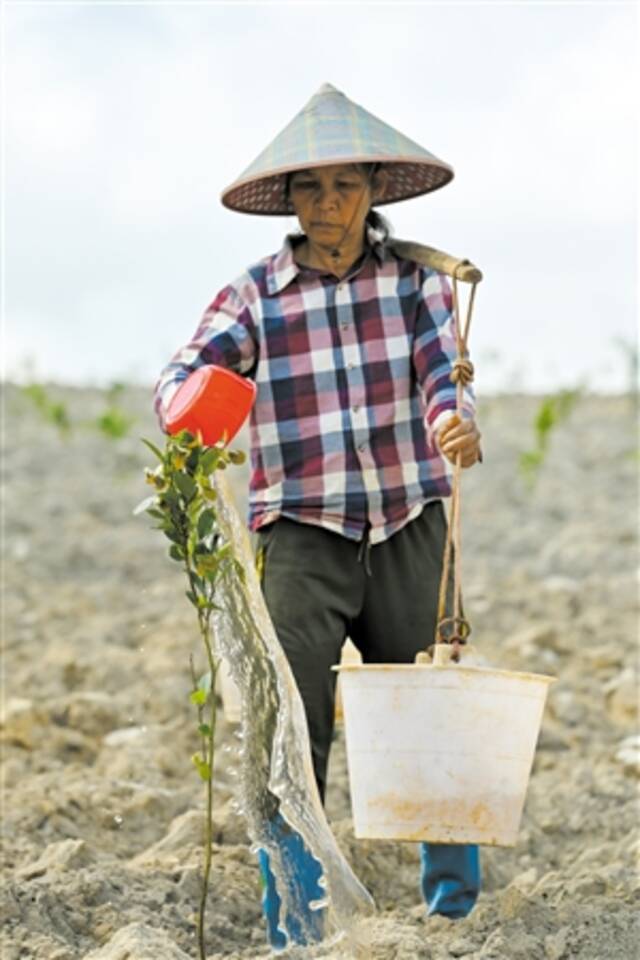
[455,628]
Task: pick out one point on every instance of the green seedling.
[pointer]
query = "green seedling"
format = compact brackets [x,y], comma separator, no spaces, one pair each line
[114,422]
[184,506]
[552,411]
[54,412]
[115,390]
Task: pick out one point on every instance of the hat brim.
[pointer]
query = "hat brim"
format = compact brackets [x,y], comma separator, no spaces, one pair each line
[265,196]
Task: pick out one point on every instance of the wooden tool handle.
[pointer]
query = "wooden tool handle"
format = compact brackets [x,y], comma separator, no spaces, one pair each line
[436,259]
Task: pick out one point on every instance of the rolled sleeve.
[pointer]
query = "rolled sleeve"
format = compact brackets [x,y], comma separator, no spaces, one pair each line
[225,337]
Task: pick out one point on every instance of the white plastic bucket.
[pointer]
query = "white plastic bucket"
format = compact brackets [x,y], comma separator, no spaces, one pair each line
[350,654]
[440,753]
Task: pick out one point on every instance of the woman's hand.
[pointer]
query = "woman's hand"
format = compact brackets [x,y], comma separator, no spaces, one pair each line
[460,436]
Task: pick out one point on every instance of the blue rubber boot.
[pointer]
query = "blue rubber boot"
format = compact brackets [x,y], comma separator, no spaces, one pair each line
[302,924]
[450,878]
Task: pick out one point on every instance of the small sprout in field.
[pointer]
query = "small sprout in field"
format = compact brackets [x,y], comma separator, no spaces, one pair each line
[59,416]
[530,462]
[115,390]
[37,393]
[54,412]
[552,411]
[114,422]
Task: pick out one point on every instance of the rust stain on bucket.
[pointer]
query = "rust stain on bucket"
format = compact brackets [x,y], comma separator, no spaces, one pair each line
[449,820]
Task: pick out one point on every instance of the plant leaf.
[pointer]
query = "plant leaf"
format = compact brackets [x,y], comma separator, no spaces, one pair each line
[224,552]
[201,766]
[192,462]
[170,497]
[197,582]
[199,697]
[185,438]
[190,595]
[193,512]
[205,523]
[209,460]
[209,562]
[145,504]
[211,606]
[185,484]
[205,771]
[172,534]
[153,448]
[208,568]
[204,729]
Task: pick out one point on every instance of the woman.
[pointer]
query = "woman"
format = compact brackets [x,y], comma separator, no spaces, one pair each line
[351,347]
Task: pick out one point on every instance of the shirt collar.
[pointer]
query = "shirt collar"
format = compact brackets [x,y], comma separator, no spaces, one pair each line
[282,268]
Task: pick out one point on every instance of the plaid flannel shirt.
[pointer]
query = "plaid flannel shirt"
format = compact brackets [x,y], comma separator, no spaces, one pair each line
[352,381]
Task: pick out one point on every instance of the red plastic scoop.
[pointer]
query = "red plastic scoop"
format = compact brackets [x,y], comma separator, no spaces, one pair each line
[212,400]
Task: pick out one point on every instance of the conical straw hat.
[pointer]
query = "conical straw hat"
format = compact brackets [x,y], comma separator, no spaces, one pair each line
[332,129]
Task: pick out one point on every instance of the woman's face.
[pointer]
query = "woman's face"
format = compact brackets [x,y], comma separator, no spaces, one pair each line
[331,203]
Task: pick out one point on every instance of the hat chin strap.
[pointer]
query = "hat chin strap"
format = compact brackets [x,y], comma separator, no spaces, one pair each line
[335,253]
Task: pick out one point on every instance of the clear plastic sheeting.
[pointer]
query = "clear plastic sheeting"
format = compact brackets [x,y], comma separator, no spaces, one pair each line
[275,770]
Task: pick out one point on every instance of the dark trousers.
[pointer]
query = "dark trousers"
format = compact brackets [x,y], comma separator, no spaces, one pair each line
[321,587]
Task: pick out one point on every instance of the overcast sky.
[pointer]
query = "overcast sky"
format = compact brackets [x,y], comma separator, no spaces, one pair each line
[123,123]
